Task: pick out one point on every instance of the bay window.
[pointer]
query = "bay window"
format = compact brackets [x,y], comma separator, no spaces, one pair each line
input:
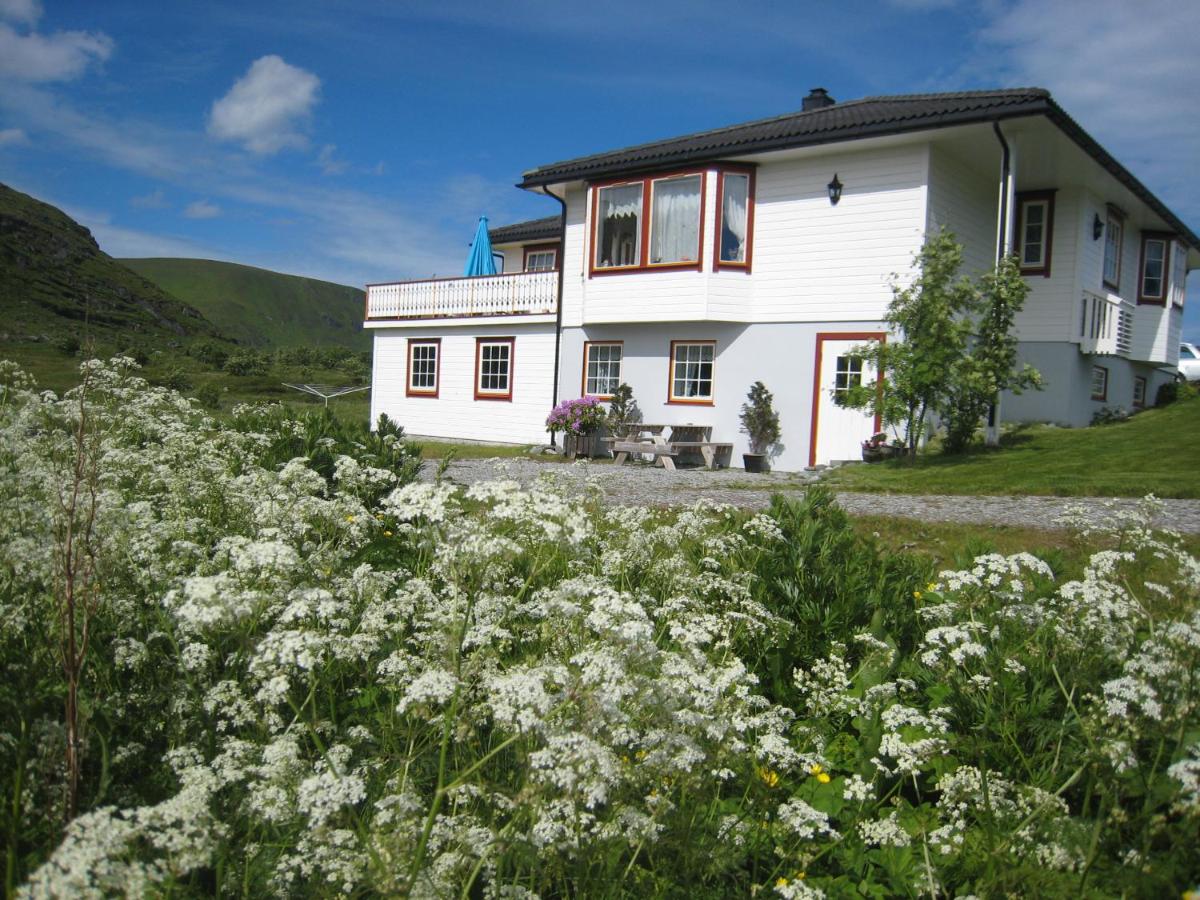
[619,226]
[1035,228]
[1114,232]
[692,372]
[653,222]
[1152,273]
[675,219]
[735,220]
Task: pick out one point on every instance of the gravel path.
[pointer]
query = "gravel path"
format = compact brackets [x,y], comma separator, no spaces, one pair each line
[640,484]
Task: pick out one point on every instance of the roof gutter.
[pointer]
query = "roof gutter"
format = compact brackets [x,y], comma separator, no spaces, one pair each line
[558,306]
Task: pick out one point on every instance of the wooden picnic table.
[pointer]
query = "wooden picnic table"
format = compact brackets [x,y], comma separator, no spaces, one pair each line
[650,439]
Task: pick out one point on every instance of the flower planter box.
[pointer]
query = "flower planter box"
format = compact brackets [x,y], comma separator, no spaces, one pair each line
[584,446]
[877,454]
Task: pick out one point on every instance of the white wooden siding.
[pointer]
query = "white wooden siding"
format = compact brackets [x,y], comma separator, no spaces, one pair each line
[455,413]
[966,204]
[1052,307]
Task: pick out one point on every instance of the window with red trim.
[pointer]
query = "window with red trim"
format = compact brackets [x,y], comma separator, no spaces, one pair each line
[648,223]
[601,368]
[424,366]
[734,220]
[1099,383]
[1035,231]
[494,368]
[541,257]
[1139,391]
[692,371]
[1114,233]
[1152,271]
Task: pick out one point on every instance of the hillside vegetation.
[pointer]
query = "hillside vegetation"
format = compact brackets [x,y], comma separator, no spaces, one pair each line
[1152,452]
[263,308]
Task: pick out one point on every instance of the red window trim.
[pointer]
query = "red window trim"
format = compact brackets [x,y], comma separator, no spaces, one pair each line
[409,390]
[540,248]
[722,171]
[646,182]
[1145,387]
[1104,396]
[822,337]
[512,366]
[583,392]
[1112,213]
[672,400]
[1151,299]
[1032,197]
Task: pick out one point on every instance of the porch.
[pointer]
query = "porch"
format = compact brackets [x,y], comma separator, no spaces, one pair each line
[512,294]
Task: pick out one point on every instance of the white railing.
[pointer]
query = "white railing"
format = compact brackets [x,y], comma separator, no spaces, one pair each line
[1105,324]
[519,293]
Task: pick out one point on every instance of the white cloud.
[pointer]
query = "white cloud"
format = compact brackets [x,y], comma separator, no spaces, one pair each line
[60,56]
[267,109]
[156,199]
[202,209]
[26,12]
[12,137]
[329,164]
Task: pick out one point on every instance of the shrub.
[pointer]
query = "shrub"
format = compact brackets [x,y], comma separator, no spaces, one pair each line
[209,352]
[581,416]
[209,395]
[68,345]
[759,419]
[247,362]
[1167,393]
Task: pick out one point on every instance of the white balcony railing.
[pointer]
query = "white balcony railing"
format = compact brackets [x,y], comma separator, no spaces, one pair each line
[1106,324]
[518,293]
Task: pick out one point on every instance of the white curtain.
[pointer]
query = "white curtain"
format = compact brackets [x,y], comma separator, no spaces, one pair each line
[675,220]
[733,218]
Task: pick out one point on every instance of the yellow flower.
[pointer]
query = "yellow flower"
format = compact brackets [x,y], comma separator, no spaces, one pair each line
[816,769]
[349,518]
[931,586]
[917,595]
[823,778]
[387,534]
[781,882]
[769,777]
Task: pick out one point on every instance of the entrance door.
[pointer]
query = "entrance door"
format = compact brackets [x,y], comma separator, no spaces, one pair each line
[838,433]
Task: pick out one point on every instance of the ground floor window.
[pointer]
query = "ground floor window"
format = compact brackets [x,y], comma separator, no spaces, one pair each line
[847,374]
[423,359]
[692,371]
[494,368]
[1139,391]
[1099,383]
[601,368]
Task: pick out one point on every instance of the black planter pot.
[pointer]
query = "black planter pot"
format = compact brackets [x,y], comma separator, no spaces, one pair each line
[755,462]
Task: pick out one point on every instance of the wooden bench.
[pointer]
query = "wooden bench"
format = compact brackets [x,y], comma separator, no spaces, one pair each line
[708,449]
[663,452]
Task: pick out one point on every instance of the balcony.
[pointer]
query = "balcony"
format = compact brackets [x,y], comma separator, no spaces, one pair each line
[1106,325]
[513,294]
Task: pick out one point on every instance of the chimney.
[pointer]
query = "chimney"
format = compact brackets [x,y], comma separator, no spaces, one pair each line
[818,98]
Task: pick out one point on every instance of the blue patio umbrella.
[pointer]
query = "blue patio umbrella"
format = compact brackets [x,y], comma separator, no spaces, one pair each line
[479,261]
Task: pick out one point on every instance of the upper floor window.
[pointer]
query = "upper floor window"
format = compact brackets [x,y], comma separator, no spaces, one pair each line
[1152,273]
[494,368]
[735,219]
[1179,279]
[692,371]
[1035,228]
[624,237]
[601,368]
[541,258]
[424,357]
[1114,233]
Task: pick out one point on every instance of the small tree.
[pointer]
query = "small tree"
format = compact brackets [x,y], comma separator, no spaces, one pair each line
[760,421]
[955,351]
[622,410]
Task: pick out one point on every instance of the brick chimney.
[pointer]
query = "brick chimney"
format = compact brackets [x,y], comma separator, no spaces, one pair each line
[818,98]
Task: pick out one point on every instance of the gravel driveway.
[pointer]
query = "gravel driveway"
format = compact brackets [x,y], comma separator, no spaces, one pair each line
[641,484]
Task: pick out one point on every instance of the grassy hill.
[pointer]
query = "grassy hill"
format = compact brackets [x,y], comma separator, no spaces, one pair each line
[1152,452]
[56,282]
[262,308]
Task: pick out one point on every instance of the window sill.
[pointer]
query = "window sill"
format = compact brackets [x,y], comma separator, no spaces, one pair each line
[673,401]
[694,266]
[506,398]
[428,395]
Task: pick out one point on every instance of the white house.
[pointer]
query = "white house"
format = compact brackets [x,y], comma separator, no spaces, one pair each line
[691,267]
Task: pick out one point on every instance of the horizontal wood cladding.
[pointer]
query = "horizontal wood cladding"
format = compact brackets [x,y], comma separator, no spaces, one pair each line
[1051,310]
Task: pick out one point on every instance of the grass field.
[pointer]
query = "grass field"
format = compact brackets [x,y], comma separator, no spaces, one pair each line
[1155,452]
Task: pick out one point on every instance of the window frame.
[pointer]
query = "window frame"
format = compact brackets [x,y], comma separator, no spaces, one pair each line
[1139,380]
[409,390]
[480,343]
[691,401]
[644,226]
[533,249]
[722,171]
[1025,199]
[1160,299]
[1103,396]
[1113,217]
[587,346]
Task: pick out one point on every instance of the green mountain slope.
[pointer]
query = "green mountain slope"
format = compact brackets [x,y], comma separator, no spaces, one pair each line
[263,308]
[54,278]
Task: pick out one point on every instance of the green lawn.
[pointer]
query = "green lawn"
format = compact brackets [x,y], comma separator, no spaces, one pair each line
[1156,451]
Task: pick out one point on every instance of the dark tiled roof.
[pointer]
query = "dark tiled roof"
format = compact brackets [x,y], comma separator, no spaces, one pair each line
[547,229]
[868,117]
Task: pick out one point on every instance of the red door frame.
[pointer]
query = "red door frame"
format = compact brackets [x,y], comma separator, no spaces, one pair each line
[822,337]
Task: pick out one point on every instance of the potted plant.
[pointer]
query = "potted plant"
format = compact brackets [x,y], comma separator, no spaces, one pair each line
[578,420]
[622,411]
[761,423]
[876,447]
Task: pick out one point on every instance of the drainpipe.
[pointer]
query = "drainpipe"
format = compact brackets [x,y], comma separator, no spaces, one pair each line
[562,266]
[991,431]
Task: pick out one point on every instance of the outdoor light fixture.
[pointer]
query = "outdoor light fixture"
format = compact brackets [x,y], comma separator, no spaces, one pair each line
[1097,227]
[835,190]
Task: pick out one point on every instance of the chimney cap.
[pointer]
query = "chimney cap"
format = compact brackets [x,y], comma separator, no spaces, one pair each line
[818,98]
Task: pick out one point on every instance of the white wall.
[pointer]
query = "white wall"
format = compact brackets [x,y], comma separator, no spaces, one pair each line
[455,413]
[966,204]
[1051,309]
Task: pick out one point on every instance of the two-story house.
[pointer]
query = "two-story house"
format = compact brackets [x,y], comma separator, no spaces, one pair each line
[691,267]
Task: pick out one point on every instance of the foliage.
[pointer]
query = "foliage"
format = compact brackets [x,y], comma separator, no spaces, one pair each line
[622,409]
[209,396]
[954,352]
[1167,393]
[581,416]
[1107,415]
[211,353]
[247,362]
[306,686]
[759,419]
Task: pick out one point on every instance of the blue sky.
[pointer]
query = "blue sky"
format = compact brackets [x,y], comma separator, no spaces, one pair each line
[358,141]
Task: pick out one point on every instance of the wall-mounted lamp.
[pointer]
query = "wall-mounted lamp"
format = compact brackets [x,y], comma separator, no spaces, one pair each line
[1097,227]
[835,190]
